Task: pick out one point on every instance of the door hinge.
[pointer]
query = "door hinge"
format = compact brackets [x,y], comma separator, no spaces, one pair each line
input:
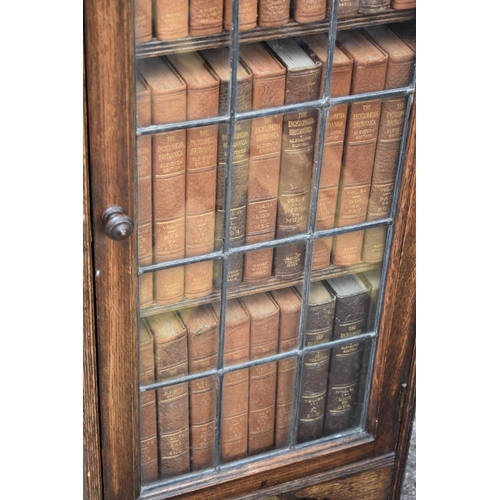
[402,401]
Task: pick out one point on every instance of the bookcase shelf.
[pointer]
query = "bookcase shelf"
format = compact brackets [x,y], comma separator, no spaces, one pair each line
[272,283]
[157,47]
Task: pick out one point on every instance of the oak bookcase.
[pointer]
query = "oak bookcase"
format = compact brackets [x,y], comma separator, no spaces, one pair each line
[366,463]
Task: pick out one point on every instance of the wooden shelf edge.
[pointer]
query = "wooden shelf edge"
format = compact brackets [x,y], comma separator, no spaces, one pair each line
[188,44]
[249,289]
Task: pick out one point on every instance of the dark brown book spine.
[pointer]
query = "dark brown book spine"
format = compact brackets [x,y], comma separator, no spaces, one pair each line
[315,370]
[373,6]
[264,328]
[144,186]
[173,404]
[308,11]
[149,440]
[234,425]
[203,343]
[205,17]
[351,316]
[171,19]
[239,169]
[297,155]
[248,14]
[359,148]
[264,163]
[143,21]
[400,67]
[273,13]
[289,304]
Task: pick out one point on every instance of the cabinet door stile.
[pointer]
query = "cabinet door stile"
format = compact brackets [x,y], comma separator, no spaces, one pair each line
[397,322]
[109,58]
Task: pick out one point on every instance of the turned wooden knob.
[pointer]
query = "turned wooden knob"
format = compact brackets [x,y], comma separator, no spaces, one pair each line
[117,225]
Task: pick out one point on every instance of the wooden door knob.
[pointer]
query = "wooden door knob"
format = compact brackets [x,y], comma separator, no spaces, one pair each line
[117,225]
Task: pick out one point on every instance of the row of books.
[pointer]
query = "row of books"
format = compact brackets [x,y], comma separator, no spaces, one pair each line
[182,173]
[178,420]
[173,21]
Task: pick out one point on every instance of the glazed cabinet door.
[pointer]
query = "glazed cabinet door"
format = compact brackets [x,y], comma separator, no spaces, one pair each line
[250,175]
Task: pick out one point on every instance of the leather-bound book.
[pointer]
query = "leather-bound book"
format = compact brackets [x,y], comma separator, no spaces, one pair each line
[264,331]
[346,8]
[171,361]
[334,144]
[203,346]
[201,169]
[373,6]
[400,68]
[149,441]
[248,14]
[268,80]
[303,75]
[351,314]
[170,19]
[169,176]
[144,187]
[205,17]
[289,304]
[319,325]
[370,65]
[235,386]
[403,4]
[371,279]
[143,21]
[406,30]
[218,59]
[273,13]
[308,11]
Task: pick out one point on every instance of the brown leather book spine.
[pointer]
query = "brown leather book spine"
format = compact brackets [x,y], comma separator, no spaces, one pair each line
[264,329]
[173,402]
[273,13]
[201,175]
[169,206]
[333,145]
[403,4]
[264,161]
[297,155]
[239,168]
[400,67]
[248,14]
[351,316]
[360,145]
[149,440]
[170,19]
[144,185]
[289,304]
[373,6]
[235,386]
[143,21]
[203,343]
[205,17]
[308,11]
[315,369]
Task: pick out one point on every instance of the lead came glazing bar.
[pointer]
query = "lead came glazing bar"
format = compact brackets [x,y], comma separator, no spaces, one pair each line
[320,103]
[254,362]
[233,88]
